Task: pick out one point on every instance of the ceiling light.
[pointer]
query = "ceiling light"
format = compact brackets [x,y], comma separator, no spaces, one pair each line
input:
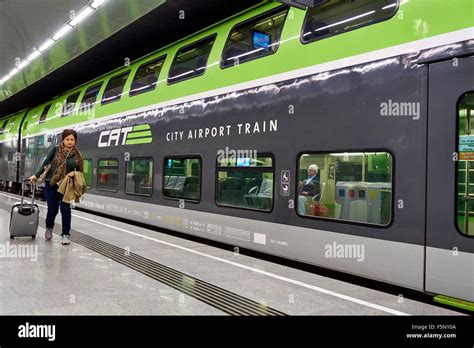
[33,55]
[23,64]
[61,32]
[81,16]
[97,3]
[46,45]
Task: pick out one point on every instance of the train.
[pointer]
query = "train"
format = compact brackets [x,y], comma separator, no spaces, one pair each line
[337,135]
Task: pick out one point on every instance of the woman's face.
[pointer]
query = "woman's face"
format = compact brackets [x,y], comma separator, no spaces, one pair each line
[69,141]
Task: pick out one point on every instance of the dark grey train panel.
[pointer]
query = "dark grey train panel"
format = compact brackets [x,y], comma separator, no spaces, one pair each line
[334,111]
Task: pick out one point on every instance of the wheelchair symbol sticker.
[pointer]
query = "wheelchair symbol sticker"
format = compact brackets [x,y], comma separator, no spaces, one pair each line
[285,176]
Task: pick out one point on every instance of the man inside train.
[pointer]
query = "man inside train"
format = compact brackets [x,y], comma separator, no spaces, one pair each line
[308,189]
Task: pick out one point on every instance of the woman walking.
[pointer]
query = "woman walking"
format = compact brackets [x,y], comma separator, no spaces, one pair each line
[64,158]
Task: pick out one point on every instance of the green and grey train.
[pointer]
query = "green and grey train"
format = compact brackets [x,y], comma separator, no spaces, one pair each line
[214,136]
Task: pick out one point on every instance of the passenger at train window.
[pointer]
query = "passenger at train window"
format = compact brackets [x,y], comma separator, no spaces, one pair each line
[308,189]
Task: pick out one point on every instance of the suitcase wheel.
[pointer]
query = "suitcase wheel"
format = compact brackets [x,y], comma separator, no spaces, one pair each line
[12,237]
[33,237]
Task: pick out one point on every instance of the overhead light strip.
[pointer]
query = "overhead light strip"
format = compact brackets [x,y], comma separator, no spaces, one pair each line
[81,16]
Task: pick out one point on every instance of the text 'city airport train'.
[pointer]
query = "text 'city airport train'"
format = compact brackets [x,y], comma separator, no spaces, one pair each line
[338,136]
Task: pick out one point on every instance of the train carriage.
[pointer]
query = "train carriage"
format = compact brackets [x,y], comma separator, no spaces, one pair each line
[215,136]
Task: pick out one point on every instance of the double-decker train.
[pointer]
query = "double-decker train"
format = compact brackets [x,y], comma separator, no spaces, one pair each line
[338,136]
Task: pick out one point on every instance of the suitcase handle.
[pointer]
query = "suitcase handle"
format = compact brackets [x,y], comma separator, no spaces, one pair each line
[23,193]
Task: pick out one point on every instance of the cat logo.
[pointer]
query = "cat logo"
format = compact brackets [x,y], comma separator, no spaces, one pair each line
[126,136]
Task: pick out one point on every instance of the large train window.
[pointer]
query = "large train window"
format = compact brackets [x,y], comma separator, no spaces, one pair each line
[88,172]
[44,114]
[348,186]
[256,38]
[465,165]
[114,89]
[107,178]
[147,76]
[139,176]
[245,181]
[334,17]
[90,98]
[182,178]
[69,104]
[191,60]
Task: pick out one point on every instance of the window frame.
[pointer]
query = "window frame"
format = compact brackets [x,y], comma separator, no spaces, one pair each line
[456,168]
[339,221]
[160,58]
[152,177]
[98,172]
[69,113]
[107,102]
[306,42]
[92,172]
[81,107]
[214,36]
[44,116]
[255,18]
[252,169]
[200,178]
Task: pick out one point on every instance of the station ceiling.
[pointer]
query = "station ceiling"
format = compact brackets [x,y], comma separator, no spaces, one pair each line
[120,29]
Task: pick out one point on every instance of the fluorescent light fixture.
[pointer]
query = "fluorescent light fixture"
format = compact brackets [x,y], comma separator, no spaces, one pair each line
[61,32]
[32,56]
[5,79]
[346,20]
[97,3]
[46,45]
[13,72]
[81,16]
[23,64]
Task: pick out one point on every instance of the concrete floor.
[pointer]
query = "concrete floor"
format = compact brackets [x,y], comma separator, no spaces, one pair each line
[77,281]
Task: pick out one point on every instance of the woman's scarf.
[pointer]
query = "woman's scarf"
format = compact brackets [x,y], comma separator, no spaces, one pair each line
[62,153]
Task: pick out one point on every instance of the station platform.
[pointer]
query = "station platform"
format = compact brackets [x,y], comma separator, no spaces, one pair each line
[115,268]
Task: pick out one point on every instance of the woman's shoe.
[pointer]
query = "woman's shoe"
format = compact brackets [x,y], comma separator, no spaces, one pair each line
[48,235]
[65,240]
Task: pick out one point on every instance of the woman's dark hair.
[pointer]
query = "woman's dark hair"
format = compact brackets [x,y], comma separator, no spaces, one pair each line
[68,132]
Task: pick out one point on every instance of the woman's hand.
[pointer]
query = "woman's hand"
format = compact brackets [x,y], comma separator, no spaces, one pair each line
[71,174]
[32,178]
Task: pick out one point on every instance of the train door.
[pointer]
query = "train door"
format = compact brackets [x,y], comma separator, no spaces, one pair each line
[450,180]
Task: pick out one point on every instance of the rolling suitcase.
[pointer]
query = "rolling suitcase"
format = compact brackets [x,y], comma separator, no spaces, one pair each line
[24,218]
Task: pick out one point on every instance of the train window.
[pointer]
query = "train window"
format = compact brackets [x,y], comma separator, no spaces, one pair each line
[88,172]
[245,181]
[334,17]
[256,38]
[107,178]
[465,165]
[90,98]
[182,178]
[69,104]
[4,125]
[348,186]
[139,176]
[44,113]
[146,77]
[114,89]
[191,60]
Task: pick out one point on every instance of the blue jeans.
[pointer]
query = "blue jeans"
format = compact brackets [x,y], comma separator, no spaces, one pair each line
[55,201]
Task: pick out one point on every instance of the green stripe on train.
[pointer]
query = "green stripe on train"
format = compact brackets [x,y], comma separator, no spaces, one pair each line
[139,141]
[141,127]
[454,302]
[138,135]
